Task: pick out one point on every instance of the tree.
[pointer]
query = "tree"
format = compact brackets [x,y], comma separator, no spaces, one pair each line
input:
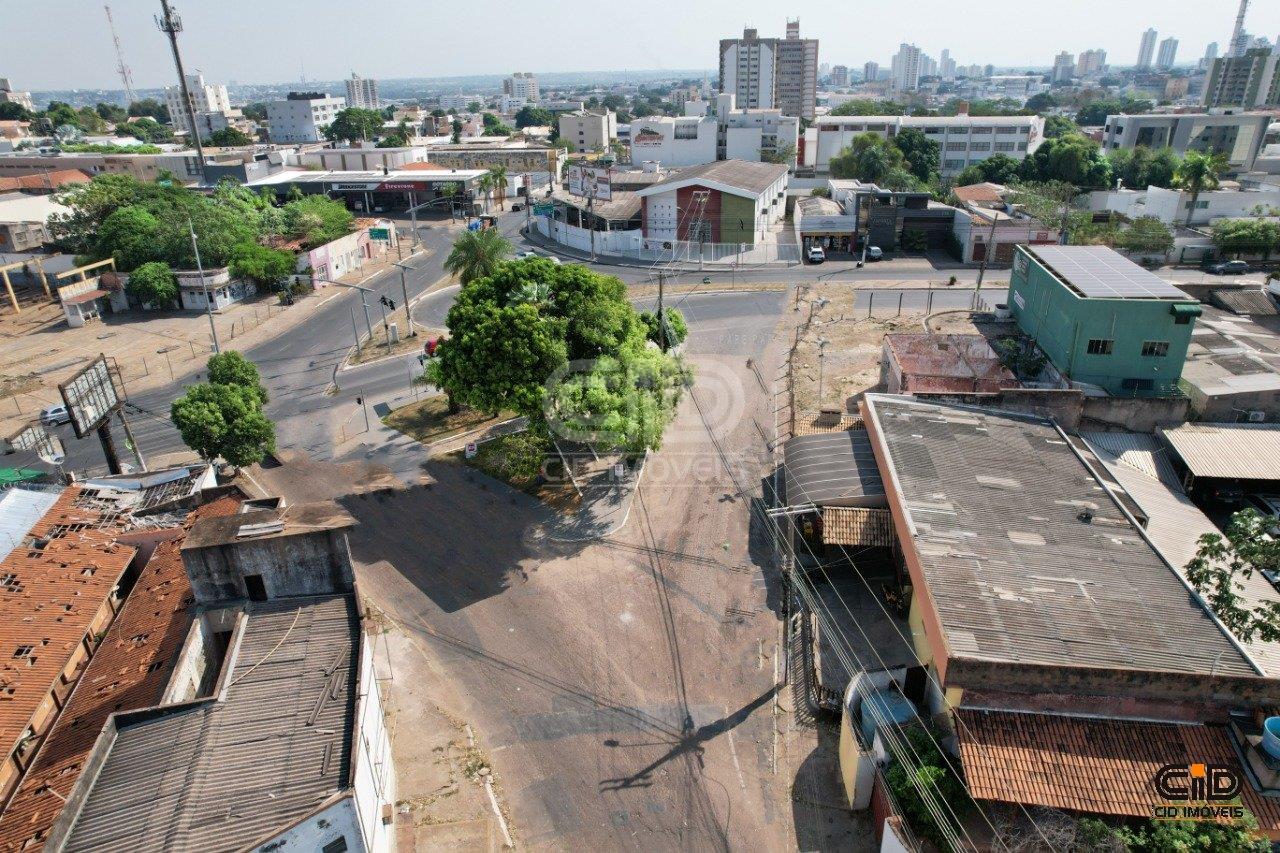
[232,368]
[869,157]
[456,127]
[676,328]
[499,174]
[1048,201]
[1074,159]
[784,154]
[267,268]
[474,107]
[1246,236]
[11,111]
[230,137]
[1041,102]
[1140,167]
[1055,126]
[222,420]
[153,284]
[130,235]
[1198,171]
[354,124]
[1223,563]
[476,254]
[113,113]
[1096,112]
[151,107]
[531,116]
[920,152]
[1147,236]
[399,138]
[316,219]
[619,403]
[493,126]
[866,107]
[257,111]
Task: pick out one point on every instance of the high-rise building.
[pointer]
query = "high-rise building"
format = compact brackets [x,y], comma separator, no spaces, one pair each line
[1248,81]
[205,98]
[771,73]
[840,76]
[362,93]
[946,65]
[906,68]
[521,85]
[1091,62]
[1239,38]
[1168,54]
[1147,49]
[871,71]
[9,96]
[1064,66]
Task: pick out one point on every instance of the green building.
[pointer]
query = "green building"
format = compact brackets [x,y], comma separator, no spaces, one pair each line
[1102,319]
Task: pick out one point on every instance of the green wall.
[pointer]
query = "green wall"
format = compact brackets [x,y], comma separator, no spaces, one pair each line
[732,209]
[1063,323]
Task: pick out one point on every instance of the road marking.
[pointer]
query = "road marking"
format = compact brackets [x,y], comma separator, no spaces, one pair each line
[733,750]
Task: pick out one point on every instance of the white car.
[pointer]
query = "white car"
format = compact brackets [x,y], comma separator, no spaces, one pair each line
[874,253]
[524,256]
[816,255]
[54,415]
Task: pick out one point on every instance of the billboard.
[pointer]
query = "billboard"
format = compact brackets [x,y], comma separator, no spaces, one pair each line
[34,437]
[589,182]
[91,397]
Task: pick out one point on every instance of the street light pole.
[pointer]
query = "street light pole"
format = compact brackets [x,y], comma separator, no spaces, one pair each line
[204,287]
[404,292]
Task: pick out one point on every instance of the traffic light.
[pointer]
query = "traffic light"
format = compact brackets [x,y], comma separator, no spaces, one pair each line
[391,303]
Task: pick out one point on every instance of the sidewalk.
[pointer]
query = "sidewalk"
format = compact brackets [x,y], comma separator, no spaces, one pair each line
[151,348]
[564,251]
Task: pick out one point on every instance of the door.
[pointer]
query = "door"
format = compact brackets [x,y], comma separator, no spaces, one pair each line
[257,589]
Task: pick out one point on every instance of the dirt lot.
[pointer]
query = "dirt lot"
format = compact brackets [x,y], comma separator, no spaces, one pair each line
[851,365]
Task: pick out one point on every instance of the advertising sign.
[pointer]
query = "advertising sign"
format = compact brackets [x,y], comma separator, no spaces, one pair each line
[589,182]
[646,138]
[91,397]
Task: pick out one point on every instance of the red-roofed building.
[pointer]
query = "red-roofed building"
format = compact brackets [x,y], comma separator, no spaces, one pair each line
[44,182]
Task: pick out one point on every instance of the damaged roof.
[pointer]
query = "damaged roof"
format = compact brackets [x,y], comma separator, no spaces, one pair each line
[293,520]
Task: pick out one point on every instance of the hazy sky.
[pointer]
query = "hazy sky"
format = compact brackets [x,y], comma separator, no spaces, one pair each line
[59,44]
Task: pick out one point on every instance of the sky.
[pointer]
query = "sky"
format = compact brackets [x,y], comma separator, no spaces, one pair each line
[65,44]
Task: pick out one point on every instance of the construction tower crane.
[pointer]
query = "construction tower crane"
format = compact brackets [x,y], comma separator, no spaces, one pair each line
[126,76]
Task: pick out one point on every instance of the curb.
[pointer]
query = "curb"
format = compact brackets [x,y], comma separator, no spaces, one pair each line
[617,261]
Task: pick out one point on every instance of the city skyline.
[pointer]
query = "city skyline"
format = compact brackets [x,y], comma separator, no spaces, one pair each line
[275,46]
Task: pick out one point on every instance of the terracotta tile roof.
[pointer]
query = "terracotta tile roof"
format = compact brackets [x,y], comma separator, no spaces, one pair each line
[44,180]
[985,192]
[847,525]
[48,599]
[422,166]
[1099,766]
[130,670]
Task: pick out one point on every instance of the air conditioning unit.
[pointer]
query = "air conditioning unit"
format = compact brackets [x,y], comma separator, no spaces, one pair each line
[1257,417]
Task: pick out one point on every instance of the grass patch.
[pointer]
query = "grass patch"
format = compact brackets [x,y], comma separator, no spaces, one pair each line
[527,461]
[428,420]
[376,348]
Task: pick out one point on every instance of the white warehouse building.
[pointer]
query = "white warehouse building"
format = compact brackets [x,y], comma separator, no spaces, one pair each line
[963,140]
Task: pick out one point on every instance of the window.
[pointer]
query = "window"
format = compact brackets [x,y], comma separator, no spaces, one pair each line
[1100,346]
[957,146]
[23,651]
[981,146]
[1005,146]
[953,164]
[1155,348]
[1137,384]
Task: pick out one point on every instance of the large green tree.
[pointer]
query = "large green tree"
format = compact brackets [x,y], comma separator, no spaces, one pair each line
[268,268]
[1222,564]
[871,157]
[225,418]
[316,219]
[150,107]
[355,124]
[998,169]
[1146,235]
[476,254]
[232,368]
[868,107]
[620,403]
[230,137]
[531,116]
[920,152]
[1141,167]
[1075,160]
[147,129]
[130,235]
[153,284]
[1246,236]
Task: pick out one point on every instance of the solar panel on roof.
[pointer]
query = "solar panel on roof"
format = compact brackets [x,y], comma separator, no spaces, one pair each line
[1101,273]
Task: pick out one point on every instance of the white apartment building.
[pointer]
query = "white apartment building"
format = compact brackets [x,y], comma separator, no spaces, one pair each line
[588,130]
[1147,49]
[522,84]
[1168,54]
[302,116]
[10,96]
[509,104]
[729,134]
[205,98]
[1240,137]
[362,93]
[459,102]
[962,140]
[771,73]
[1174,206]
[1064,66]
[907,68]
[674,142]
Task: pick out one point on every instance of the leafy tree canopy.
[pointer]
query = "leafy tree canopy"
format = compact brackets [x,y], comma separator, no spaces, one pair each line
[1096,112]
[867,107]
[1075,160]
[476,254]
[153,284]
[1055,126]
[232,368]
[1246,235]
[230,137]
[354,124]
[1141,167]
[1224,562]
[316,219]
[531,116]
[147,129]
[265,267]
[150,107]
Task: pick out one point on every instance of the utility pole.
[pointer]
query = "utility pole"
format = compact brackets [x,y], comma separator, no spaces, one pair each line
[109,447]
[204,287]
[355,330]
[170,24]
[591,204]
[662,320]
[132,442]
[409,330]
[528,202]
[986,256]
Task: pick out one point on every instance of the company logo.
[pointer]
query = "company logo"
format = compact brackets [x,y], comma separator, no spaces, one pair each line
[647,136]
[1210,792]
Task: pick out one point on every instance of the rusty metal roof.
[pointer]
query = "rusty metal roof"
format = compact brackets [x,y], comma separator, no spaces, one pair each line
[51,587]
[1027,558]
[948,363]
[130,670]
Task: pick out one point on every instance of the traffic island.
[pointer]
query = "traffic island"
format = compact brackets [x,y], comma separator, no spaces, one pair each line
[430,421]
[525,461]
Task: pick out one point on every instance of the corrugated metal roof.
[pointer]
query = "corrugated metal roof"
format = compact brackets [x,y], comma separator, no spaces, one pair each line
[129,670]
[1245,300]
[20,509]
[1229,451]
[745,175]
[832,468]
[1017,575]
[1138,450]
[219,775]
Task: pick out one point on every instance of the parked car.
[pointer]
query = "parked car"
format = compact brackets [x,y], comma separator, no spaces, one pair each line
[1229,268]
[816,255]
[54,415]
[1268,506]
[874,253]
[524,256]
[517,206]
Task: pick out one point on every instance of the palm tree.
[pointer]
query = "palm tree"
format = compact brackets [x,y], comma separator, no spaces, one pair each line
[500,183]
[476,254]
[449,191]
[531,292]
[1197,172]
[486,185]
